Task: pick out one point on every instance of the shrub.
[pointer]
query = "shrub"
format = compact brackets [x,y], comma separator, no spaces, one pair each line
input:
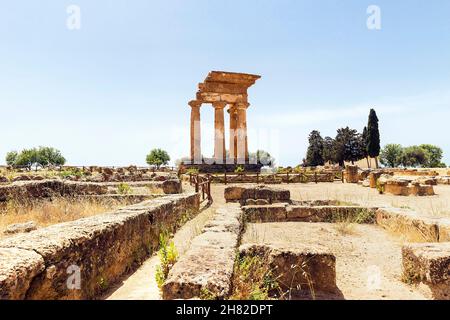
[168,256]
[239,169]
[252,279]
[123,188]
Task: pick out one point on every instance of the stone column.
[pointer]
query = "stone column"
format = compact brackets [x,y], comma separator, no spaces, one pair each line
[233,133]
[219,132]
[242,144]
[196,150]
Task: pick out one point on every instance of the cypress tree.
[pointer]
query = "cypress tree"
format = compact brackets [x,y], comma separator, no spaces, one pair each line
[373,136]
[314,155]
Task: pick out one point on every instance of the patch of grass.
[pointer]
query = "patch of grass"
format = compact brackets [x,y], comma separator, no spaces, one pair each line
[239,169]
[192,171]
[75,172]
[123,188]
[252,279]
[345,221]
[168,256]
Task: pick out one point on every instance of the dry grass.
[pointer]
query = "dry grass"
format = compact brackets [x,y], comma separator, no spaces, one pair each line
[57,210]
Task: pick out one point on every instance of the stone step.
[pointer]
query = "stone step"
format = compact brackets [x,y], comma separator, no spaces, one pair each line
[207,267]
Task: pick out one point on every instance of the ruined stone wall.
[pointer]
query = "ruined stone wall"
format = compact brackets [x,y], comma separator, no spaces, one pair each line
[38,265]
[28,190]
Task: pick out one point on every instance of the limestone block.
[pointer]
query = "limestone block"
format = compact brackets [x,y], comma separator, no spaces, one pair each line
[408,223]
[266,213]
[18,267]
[21,227]
[299,269]
[429,263]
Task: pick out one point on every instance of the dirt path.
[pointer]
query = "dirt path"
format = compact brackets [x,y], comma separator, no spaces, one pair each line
[141,285]
[368,260]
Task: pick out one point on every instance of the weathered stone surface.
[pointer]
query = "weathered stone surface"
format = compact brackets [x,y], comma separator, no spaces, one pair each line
[444,229]
[409,224]
[421,190]
[351,174]
[20,227]
[373,177]
[266,213]
[104,247]
[234,193]
[243,193]
[18,268]
[429,263]
[171,186]
[355,214]
[298,269]
[429,181]
[208,264]
[24,190]
[443,180]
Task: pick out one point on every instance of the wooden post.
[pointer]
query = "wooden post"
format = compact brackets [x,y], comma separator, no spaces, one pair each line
[287,176]
[257,177]
[315,177]
[225,177]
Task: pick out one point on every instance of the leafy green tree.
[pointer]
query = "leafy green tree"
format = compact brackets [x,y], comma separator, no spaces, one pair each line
[37,157]
[373,136]
[48,156]
[314,155]
[157,157]
[27,158]
[434,156]
[347,146]
[328,146]
[11,158]
[364,143]
[391,155]
[414,156]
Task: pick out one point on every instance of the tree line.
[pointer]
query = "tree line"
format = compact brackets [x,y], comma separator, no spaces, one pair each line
[425,156]
[35,157]
[348,145]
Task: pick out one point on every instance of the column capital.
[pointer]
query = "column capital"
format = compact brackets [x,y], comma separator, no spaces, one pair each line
[219,104]
[195,103]
[242,105]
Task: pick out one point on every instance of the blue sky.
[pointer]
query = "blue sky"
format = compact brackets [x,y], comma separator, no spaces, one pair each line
[108,93]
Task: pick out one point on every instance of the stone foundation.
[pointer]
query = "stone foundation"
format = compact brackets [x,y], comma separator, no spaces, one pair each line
[299,270]
[208,265]
[351,174]
[29,190]
[428,263]
[37,265]
[410,224]
[243,193]
[283,212]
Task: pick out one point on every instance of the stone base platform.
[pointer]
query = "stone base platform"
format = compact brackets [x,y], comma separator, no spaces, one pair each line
[221,168]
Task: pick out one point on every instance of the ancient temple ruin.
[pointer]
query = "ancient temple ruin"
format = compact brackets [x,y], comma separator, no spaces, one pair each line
[221,90]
